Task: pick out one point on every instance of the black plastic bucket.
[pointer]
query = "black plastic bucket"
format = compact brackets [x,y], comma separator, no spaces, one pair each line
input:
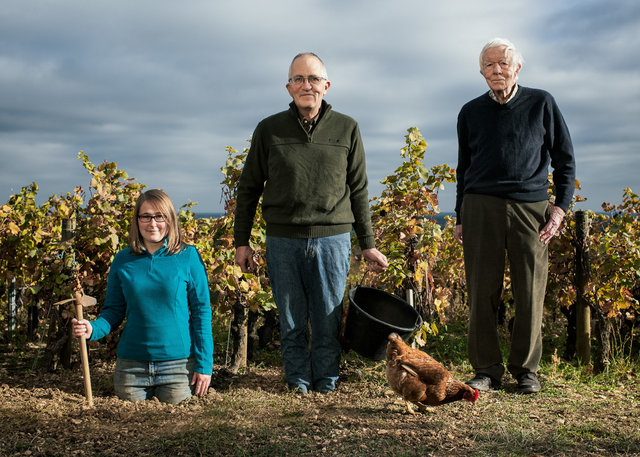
[374,314]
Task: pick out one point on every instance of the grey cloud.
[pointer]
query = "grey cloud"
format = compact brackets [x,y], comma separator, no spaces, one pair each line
[162,87]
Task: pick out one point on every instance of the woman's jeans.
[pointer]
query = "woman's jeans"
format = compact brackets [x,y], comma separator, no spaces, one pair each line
[308,279]
[137,380]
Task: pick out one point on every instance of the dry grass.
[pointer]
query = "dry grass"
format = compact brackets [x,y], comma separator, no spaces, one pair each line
[253,415]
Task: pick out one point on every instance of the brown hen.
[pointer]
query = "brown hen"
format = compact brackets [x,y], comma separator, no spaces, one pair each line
[420,379]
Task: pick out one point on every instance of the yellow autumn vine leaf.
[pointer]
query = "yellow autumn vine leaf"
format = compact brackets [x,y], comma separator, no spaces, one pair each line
[13,228]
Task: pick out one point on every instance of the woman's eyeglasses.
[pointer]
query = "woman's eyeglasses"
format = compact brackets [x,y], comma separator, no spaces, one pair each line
[146,218]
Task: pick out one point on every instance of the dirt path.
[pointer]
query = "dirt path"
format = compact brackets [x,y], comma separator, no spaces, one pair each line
[253,414]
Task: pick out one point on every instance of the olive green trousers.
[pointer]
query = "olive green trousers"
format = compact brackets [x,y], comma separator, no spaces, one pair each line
[492,226]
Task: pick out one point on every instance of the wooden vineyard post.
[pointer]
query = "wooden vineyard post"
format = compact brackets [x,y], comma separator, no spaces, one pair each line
[239,330]
[68,232]
[12,308]
[240,337]
[582,275]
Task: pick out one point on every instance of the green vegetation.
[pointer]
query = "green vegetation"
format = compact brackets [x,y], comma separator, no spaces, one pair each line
[581,411]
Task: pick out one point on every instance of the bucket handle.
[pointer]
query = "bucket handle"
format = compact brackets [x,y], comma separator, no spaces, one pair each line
[363,276]
[418,323]
[419,320]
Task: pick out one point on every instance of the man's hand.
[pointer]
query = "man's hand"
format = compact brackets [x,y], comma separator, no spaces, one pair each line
[244,258]
[376,258]
[555,221]
[457,233]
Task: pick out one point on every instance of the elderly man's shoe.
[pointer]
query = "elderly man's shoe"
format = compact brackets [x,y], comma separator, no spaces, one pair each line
[299,389]
[528,383]
[483,383]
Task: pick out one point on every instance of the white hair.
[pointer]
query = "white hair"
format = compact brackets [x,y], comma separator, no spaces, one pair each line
[516,57]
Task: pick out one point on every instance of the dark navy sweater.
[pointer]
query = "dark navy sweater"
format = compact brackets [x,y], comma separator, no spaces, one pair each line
[505,150]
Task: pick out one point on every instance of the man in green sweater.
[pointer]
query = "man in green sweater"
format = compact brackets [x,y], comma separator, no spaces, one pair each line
[507,139]
[308,164]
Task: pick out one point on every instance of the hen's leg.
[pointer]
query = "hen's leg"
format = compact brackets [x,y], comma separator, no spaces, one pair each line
[421,407]
[410,408]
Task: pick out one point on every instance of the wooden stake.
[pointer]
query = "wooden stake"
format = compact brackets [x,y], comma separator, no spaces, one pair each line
[583,273]
[84,355]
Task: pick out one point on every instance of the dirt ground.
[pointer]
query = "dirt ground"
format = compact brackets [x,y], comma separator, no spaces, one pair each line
[253,414]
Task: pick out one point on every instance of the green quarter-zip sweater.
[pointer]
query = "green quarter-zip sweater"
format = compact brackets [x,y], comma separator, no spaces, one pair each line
[313,184]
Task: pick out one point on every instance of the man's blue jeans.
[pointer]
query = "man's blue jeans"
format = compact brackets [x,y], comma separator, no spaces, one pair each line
[308,278]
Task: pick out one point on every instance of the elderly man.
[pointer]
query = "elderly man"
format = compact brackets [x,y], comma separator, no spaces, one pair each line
[507,139]
[308,162]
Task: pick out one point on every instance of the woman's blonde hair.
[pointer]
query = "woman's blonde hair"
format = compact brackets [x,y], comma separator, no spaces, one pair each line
[162,203]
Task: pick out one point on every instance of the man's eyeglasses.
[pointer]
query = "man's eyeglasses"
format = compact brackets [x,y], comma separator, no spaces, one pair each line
[313,80]
[146,218]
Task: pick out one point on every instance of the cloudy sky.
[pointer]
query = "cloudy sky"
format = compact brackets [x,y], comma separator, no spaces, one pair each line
[161,87]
